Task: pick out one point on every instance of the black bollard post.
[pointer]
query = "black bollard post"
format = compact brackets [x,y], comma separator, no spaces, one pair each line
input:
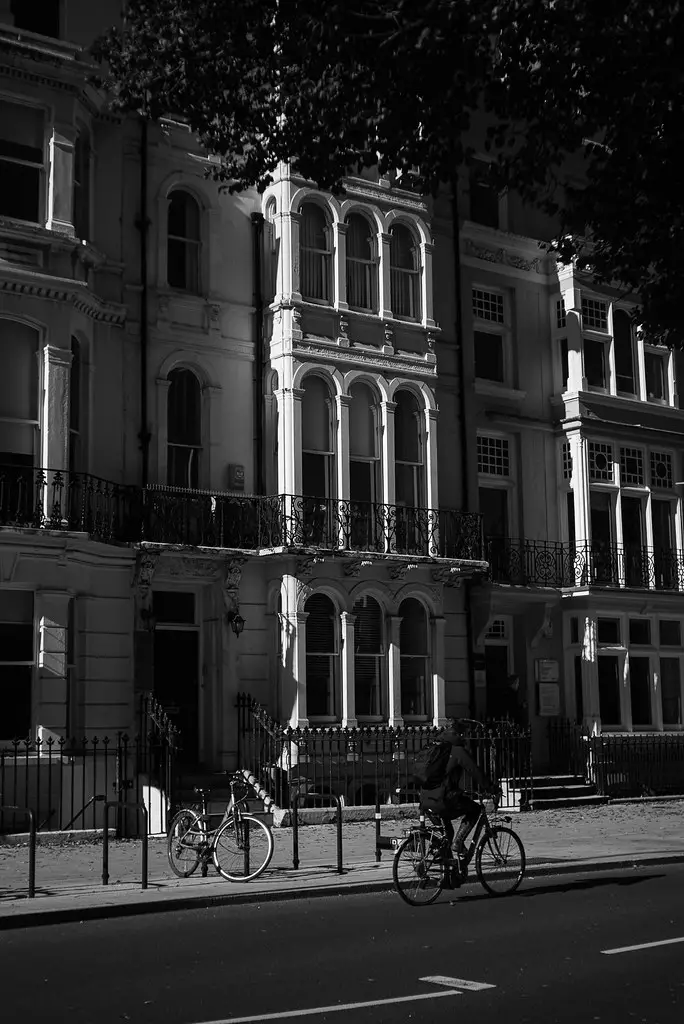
[340,868]
[378,851]
[295,831]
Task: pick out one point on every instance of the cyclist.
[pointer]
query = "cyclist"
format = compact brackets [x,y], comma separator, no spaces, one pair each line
[448,801]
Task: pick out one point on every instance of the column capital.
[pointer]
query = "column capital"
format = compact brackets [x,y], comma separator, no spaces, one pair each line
[388,406]
[348,618]
[344,401]
[56,356]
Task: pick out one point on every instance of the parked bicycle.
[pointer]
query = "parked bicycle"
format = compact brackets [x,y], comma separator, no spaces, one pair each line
[241,845]
[424,861]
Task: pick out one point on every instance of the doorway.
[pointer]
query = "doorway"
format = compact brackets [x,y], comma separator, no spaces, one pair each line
[177,666]
[499,703]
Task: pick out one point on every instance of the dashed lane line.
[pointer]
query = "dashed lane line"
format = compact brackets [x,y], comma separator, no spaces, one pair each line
[642,945]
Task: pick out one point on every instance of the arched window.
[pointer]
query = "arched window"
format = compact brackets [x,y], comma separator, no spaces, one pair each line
[75,395]
[322,657]
[184,429]
[362,271]
[369,658]
[18,393]
[318,461]
[624,352]
[414,659]
[364,467]
[315,265]
[183,242]
[82,184]
[404,273]
[408,451]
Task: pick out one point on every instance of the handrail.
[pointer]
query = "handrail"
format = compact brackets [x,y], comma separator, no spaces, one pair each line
[28,813]
[295,826]
[105,839]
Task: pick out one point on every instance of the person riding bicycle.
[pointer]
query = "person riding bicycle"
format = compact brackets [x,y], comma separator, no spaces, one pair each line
[448,801]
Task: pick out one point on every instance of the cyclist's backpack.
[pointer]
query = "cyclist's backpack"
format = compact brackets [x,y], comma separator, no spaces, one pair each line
[429,767]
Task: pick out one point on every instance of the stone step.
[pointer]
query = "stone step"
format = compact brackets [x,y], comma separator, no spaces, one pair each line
[556,792]
[548,804]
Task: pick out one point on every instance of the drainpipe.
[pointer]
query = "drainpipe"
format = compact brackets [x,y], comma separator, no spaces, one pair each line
[257,247]
[463,423]
[144,435]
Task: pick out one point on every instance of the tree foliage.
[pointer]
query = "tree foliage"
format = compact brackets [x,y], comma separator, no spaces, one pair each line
[579,103]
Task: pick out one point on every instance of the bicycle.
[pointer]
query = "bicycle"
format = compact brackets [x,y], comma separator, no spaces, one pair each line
[424,860]
[241,845]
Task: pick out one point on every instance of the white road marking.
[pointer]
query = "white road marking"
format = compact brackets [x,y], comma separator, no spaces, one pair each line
[642,945]
[332,1009]
[469,986]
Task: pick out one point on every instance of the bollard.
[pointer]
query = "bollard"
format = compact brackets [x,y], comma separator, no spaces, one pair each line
[28,813]
[295,830]
[378,851]
[105,840]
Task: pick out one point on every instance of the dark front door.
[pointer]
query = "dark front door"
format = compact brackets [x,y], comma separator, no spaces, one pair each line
[176,684]
[633,540]
[494,511]
[499,704]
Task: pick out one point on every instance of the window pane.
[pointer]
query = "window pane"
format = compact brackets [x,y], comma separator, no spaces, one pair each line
[414,686]
[670,633]
[320,625]
[184,420]
[368,626]
[362,431]
[16,642]
[489,362]
[609,690]
[21,131]
[624,357]
[639,631]
[19,191]
[19,377]
[671,690]
[183,217]
[640,687]
[406,428]
[16,606]
[564,362]
[359,235]
[413,637]
[316,402]
[402,248]
[15,693]
[367,686]
[321,655]
[655,375]
[315,263]
[595,363]
[609,631]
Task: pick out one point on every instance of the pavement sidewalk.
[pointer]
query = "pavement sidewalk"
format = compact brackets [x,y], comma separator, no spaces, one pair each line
[69,874]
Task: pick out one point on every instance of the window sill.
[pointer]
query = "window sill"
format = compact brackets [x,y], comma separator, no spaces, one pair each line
[491,389]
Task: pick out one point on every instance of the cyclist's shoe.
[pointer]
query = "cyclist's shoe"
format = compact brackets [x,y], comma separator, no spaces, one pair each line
[442,855]
[452,878]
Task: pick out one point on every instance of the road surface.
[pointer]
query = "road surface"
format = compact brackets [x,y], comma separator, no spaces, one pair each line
[602,947]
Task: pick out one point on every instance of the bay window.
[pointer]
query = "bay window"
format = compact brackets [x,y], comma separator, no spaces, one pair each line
[184,429]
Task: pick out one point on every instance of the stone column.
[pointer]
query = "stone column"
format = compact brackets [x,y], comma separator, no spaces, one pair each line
[289,440]
[348,682]
[573,325]
[590,691]
[387,455]
[340,266]
[385,289]
[212,472]
[438,685]
[55,442]
[52,613]
[426,304]
[394,716]
[60,214]
[288,272]
[162,387]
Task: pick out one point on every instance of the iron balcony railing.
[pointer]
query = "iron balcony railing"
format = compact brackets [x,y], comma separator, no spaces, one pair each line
[45,499]
[60,500]
[583,564]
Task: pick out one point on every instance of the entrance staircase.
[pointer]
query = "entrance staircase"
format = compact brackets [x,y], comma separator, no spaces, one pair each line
[552,791]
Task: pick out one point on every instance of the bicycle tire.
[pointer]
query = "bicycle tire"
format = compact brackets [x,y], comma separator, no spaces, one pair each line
[417,877]
[231,858]
[183,852]
[500,861]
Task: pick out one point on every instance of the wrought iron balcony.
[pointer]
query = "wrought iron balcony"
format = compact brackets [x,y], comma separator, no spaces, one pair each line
[583,564]
[44,499]
[58,500]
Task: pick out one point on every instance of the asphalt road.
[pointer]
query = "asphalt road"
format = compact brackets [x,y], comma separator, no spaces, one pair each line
[543,951]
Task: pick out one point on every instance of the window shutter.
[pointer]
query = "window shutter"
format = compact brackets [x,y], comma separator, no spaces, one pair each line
[320,625]
[368,626]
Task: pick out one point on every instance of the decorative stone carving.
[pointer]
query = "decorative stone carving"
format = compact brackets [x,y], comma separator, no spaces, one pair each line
[510,259]
[353,566]
[343,336]
[214,313]
[143,573]
[233,573]
[389,334]
[198,568]
[448,576]
[304,566]
[398,570]
[304,592]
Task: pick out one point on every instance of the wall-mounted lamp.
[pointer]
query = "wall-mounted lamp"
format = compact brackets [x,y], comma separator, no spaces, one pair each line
[237,623]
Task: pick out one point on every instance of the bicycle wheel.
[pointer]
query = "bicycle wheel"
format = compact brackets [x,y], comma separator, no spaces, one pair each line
[183,842]
[418,878]
[242,852]
[500,861]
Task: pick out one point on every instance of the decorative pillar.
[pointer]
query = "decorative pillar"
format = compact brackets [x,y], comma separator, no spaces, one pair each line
[340,265]
[289,440]
[438,686]
[426,305]
[348,681]
[590,688]
[385,296]
[431,474]
[52,613]
[55,441]
[288,289]
[60,214]
[573,325]
[625,692]
[580,486]
[343,403]
[211,465]
[387,425]
[394,717]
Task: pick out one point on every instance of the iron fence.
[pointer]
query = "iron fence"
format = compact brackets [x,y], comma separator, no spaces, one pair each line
[364,764]
[627,764]
[554,564]
[65,782]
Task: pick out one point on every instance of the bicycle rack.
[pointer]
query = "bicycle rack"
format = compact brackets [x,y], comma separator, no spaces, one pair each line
[387,842]
[105,839]
[28,813]
[295,826]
